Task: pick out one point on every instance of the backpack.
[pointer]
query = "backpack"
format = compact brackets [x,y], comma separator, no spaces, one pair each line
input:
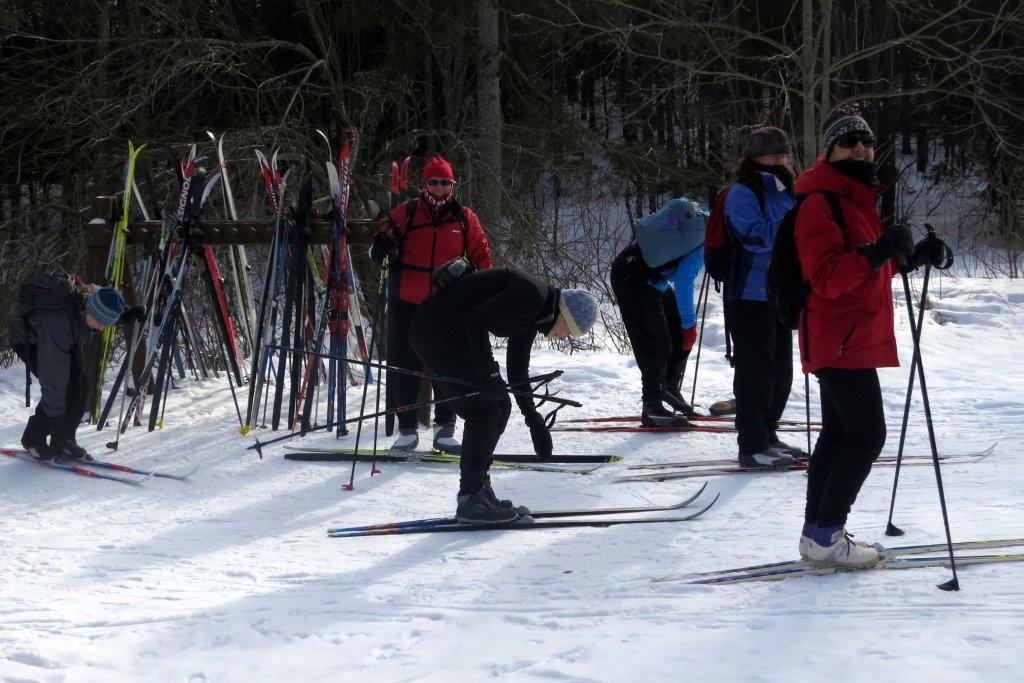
[786,286]
[49,291]
[719,245]
[671,232]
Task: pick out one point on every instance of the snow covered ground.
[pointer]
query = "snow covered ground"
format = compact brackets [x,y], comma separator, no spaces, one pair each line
[231,577]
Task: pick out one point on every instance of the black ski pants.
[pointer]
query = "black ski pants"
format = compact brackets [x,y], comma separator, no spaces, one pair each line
[653,325]
[38,428]
[762,349]
[485,415]
[405,388]
[852,435]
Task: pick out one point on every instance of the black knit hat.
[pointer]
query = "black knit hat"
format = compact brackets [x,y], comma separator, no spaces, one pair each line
[839,126]
[766,141]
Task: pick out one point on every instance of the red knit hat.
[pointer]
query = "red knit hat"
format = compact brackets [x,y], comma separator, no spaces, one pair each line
[437,167]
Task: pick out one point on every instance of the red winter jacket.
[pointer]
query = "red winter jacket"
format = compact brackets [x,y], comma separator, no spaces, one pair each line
[429,243]
[849,311]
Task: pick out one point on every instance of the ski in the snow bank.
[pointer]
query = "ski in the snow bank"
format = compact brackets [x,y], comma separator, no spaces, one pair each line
[116,467]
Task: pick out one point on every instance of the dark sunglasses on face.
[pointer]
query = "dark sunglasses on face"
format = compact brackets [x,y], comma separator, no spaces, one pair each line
[442,183]
[850,141]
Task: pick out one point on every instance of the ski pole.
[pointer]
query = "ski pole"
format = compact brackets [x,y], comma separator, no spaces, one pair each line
[704,291]
[915,331]
[954,583]
[470,394]
[545,378]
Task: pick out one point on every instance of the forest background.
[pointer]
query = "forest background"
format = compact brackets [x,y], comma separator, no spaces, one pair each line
[565,120]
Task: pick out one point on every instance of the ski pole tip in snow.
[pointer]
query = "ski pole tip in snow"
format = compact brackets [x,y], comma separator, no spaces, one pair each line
[244,430]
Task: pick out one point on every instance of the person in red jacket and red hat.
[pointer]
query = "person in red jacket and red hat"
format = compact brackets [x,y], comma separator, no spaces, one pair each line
[418,237]
[847,329]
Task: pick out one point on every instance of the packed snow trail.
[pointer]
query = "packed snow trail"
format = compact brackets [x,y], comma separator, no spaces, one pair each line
[231,577]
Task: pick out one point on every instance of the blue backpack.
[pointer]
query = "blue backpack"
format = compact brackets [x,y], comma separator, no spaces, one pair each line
[671,232]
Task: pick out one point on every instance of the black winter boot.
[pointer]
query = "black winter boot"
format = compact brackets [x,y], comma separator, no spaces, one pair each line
[479,508]
[655,414]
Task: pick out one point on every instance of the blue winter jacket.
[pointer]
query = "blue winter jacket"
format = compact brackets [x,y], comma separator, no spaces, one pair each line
[755,229]
[682,277]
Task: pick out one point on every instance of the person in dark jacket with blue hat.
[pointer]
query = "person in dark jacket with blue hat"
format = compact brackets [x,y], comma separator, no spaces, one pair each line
[451,334]
[653,279]
[762,345]
[56,315]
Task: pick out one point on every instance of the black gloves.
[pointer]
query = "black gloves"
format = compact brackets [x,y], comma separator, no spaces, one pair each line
[134,314]
[929,250]
[897,240]
[384,245]
[540,435]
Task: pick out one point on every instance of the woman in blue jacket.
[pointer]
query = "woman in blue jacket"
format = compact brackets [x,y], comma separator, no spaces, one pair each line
[762,346]
[657,307]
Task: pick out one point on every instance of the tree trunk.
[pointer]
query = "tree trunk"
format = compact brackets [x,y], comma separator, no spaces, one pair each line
[488,199]
[809,53]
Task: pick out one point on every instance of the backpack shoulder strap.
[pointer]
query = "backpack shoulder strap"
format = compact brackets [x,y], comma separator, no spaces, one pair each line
[410,213]
[833,205]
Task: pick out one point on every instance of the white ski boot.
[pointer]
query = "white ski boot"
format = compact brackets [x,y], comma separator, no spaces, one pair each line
[444,439]
[408,440]
[840,551]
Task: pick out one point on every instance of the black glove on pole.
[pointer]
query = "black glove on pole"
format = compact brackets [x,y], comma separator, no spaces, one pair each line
[540,435]
[897,240]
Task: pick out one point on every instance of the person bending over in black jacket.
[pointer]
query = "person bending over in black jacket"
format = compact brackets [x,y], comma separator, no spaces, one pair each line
[55,316]
[450,333]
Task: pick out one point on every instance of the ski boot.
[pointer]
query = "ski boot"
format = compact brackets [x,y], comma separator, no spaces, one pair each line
[502,503]
[444,439]
[407,441]
[76,452]
[675,399]
[798,454]
[478,508]
[808,531]
[768,458]
[33,439]
[832,546]
[654,414]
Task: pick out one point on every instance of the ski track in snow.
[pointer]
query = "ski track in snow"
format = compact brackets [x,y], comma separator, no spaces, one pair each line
[231,577]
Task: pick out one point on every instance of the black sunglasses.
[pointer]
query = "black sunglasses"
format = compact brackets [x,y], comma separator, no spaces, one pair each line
[850,140]
[442,183]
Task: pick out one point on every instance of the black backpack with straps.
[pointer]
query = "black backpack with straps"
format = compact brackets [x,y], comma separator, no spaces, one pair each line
[786,286]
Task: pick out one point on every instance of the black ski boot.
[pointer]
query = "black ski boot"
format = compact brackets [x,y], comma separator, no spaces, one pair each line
[33,439]
[76,452]
[798,454]
[479,508]
[673,395]
[678,403]
[502,503]
[654,414]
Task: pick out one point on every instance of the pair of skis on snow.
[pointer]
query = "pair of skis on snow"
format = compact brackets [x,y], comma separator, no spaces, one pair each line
[713,424]
[666,471]
[502,460]
[901,557]
[84,468]
[541,519]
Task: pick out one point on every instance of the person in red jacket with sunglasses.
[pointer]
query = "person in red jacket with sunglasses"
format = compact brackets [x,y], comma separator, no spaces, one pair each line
[847,332]
[418,237]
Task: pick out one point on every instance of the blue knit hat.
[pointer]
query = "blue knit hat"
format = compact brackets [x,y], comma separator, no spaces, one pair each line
[105,305]
[579,308]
